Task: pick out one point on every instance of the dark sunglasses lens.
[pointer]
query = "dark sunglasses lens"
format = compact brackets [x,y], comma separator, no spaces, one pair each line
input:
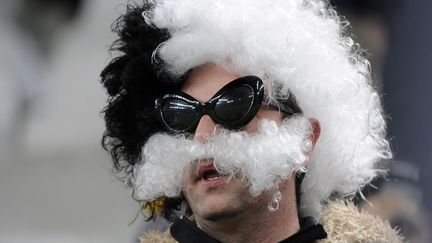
[235,104]
[179,114]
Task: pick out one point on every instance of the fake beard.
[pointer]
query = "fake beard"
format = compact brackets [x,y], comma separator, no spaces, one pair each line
[262,159]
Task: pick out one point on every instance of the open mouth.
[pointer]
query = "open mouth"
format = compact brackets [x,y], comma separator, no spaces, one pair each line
[209,173]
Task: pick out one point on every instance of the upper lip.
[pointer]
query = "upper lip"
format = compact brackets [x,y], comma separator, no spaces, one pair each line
[204,168]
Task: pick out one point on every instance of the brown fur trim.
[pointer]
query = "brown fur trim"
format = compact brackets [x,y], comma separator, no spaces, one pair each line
[154,236]
[342,221]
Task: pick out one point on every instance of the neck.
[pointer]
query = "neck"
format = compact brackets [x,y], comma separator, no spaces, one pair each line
[257,223]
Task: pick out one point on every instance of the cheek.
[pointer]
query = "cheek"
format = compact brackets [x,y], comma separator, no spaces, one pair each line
[252,126]
[272,115]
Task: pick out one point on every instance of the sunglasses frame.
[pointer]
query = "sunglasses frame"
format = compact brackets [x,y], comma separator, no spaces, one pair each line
[207,108]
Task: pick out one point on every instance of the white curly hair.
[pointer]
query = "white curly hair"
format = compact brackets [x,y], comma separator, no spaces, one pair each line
[296,46]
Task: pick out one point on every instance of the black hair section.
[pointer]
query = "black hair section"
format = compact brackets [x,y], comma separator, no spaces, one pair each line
[133,79]
[293,104]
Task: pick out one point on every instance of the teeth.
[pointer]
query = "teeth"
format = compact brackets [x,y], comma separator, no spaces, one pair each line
[213,178]
[211,175]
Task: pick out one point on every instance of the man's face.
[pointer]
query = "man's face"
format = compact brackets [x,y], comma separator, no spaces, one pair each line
[210,195]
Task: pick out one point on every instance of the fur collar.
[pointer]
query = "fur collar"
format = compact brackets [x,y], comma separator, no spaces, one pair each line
[342,221]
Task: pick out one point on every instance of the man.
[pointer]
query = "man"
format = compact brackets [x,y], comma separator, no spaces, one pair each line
[219,108]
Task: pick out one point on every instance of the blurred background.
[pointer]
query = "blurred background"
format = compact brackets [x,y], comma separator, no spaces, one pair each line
[397,34]
[56,183]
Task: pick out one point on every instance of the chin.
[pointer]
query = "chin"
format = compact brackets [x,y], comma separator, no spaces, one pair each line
[215,208]
[221,214]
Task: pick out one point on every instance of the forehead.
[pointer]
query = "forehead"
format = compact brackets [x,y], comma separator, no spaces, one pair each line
[204,81]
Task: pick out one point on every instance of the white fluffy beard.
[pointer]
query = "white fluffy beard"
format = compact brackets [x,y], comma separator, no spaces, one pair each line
[262,159]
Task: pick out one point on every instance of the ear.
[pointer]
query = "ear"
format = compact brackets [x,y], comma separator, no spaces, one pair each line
[316,127]
[316,131]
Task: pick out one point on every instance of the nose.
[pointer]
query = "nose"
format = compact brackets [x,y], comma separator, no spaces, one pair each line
[205,129]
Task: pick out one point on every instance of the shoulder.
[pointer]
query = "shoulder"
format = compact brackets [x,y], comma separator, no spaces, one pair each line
[343,222]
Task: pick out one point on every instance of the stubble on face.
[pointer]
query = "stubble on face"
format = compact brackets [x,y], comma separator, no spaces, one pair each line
[230,199]
[220,202]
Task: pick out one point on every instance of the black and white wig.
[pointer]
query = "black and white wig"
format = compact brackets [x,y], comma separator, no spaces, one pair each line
[295,46]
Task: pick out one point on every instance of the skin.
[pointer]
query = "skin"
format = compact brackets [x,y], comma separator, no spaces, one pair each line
[227,211]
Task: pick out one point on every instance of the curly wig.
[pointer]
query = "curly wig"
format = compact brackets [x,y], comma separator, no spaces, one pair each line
[296,46]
